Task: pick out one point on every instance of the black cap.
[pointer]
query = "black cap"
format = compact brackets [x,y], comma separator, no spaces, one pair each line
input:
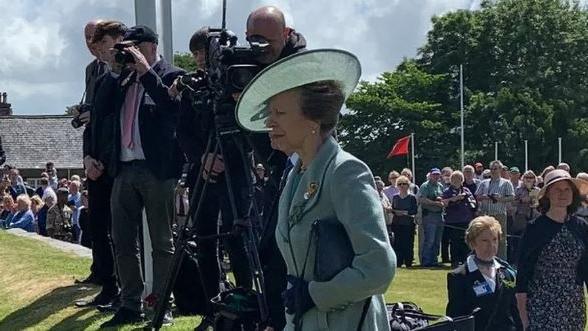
[141,33]
[62,190]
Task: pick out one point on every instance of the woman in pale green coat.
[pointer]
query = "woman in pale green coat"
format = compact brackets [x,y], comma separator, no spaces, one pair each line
[299,99]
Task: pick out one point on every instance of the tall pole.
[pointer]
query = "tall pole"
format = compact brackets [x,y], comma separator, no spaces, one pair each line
[496,150]
[164,29]
[412,153]
[145,14]
[461,108]
[526,155]
[559,150]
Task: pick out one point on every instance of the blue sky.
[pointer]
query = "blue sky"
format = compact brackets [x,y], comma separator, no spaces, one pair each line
[43,55]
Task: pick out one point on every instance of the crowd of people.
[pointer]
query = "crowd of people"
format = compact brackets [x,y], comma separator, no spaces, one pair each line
[57,208]
[513,239]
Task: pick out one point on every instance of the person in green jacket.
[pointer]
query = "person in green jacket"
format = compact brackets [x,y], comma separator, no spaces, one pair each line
[298,99]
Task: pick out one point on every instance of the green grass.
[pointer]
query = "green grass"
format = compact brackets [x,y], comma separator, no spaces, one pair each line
[37,289]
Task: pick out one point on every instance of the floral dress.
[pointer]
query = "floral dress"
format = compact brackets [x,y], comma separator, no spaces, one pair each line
[555,300]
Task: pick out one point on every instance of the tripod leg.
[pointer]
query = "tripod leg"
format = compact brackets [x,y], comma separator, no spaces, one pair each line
[184,235]
[242,215]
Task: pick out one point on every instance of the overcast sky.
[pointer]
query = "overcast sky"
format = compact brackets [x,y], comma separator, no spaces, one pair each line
[43,55]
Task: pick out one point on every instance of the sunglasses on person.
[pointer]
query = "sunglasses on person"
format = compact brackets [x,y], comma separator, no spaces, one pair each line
[402,184]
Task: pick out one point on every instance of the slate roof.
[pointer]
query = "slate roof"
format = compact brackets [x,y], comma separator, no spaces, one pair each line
[30,141]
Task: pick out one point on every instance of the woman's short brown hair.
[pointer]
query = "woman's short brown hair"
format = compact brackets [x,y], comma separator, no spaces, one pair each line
[479,225]
[321,102]
[108,28]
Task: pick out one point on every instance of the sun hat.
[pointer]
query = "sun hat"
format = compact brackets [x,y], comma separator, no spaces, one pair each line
[294,71]
[558,175]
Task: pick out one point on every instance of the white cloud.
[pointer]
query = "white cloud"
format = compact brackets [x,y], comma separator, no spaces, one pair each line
[43,54]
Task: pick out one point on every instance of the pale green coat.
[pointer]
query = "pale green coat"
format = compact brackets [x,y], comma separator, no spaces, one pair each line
[338,185]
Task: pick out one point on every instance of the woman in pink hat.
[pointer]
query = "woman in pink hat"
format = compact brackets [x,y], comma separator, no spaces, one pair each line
[553,266]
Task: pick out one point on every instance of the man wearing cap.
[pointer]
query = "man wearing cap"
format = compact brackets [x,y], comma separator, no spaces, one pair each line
[495,195]
[145,165]
[430,198]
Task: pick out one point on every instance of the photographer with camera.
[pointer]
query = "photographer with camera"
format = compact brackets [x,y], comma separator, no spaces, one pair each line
[265,26]
[98,145]
[269,23]
[495,194]
[145,164]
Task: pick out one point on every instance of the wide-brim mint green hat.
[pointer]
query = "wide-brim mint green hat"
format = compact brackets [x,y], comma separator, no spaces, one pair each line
[290,72]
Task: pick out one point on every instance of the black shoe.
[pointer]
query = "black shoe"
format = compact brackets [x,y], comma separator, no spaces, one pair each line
[92,279]
[103,298]
[207,322]
[111,306]
[124,316]
[168,320]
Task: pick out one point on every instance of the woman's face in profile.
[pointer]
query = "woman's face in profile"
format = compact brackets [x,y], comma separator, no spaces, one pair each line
[486,245]
[288,127]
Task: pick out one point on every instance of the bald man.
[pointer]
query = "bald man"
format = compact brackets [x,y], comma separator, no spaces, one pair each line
[268,22]
[97,67]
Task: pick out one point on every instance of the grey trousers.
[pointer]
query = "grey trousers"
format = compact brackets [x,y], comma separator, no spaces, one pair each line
[502,245]
[135,188]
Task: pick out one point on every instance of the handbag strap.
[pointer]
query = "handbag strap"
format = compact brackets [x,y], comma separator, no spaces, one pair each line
[366,307]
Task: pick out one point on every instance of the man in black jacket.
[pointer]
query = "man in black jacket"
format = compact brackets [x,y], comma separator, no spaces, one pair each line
[269,23]
[100,37]
[145,164]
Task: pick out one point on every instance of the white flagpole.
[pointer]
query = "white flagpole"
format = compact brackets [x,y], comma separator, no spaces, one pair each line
[526,155]
[412,154]
[559,150]
[496,150]
[461,108]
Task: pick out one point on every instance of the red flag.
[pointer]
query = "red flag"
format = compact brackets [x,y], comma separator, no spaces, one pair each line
[400,147]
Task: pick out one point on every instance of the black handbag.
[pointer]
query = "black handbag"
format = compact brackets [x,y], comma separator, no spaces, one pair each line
[333,249]
[406,316]
[334,253]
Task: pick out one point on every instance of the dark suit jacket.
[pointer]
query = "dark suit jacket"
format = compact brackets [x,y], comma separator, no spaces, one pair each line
[157,121]
[498,309]
[93,72]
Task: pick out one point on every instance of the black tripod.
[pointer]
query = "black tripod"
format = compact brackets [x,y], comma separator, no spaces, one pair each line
[244,218]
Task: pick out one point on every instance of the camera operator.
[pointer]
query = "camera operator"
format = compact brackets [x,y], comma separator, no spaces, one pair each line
[269,23]
[266,24]
[145,164]
[98,140]
[195,125]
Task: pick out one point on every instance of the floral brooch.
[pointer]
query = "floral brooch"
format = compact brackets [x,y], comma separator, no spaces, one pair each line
[311,191]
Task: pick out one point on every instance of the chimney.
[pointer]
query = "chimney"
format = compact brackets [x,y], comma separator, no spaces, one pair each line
[5,109]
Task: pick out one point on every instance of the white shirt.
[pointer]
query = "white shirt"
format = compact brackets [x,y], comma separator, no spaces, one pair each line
[472,266]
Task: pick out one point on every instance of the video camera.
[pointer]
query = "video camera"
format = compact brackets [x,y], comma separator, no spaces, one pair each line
[229,67]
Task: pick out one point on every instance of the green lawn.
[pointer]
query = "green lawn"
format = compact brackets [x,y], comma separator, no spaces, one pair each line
[37,289]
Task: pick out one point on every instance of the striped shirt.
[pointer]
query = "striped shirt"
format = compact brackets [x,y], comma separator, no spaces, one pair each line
[501,187]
